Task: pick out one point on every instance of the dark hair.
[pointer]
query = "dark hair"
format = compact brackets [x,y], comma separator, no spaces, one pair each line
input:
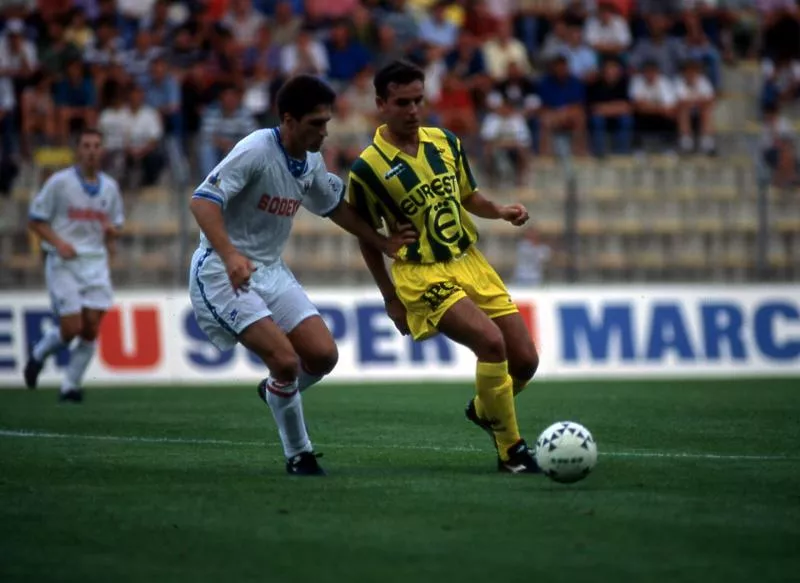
[302,94]
[401,72]
[89,131]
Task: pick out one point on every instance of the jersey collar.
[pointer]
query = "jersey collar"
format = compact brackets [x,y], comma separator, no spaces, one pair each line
[296,167]
[392,151]
[88,187]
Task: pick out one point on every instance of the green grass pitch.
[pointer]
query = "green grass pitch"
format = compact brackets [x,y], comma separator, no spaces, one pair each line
[696,481]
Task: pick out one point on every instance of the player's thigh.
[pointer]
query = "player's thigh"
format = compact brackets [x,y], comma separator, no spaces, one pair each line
[90,324]
[265,338]
[63,286]
[523,359]
[298,317]
[464,322]
[221,312]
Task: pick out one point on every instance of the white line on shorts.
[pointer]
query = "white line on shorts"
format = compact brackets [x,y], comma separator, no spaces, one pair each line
[24,433]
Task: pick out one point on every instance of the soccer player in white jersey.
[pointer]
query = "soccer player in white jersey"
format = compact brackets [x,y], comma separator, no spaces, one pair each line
[240,289]
[77,215]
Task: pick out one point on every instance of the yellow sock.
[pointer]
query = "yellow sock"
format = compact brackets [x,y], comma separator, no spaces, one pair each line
[495,402]
[519,385]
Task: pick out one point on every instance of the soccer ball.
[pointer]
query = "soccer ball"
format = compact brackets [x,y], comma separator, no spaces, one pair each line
[566,452]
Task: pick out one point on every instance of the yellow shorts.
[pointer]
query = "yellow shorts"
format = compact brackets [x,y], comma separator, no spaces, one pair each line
[428,290]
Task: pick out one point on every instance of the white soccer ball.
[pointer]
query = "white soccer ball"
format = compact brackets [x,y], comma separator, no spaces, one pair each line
[566,452]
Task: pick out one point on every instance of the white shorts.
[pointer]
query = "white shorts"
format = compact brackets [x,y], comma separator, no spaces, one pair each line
[223,315]
[74,284]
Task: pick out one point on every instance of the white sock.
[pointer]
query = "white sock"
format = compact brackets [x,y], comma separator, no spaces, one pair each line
[306,379]
[48,344]
[287,408]
[79,358]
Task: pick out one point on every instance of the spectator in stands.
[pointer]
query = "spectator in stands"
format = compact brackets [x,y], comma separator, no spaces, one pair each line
[435,30]
[305,55]
[38,113]
[660,48]
[256,98]
[778,148]
[532,254]
[608,33]
[105,49]
[264,53]
[222,126]
[346,56]
[143,139]
[78,32]
[505,134]
[563,97]
[696,46]
[226,64]
[243,21]
[396,16]
[504,49]
[556,42]
[163,93]
[480,22]
[466,59]
[519,91]
[349,132]
[114,124]
[57,52]
[183,54]
[581,57]
[364,27]
[360,94]
[456,107]
[286,24]
[158,24]
[781,80]
[137,60]
[388,49]
[654,103]
[197,93]
[18,58]
[322,13]
[75,98]
[610,110]
[696,100]
[8,165]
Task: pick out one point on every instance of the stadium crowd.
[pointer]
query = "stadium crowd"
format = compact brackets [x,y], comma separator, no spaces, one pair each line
[168,81]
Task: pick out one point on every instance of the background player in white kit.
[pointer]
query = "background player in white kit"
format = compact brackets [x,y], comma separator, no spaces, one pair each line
[77,215]
[240,289]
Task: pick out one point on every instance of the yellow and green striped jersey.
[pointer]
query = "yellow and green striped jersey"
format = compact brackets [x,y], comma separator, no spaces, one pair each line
[425,190]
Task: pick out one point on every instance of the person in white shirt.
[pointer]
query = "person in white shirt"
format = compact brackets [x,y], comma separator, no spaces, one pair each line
[241,290]
[654,104]
[243,21]
[77,215]
[305,55]
[143,138]
[504,49]
[696,100]
[608,33]
[505,132]
[532,255]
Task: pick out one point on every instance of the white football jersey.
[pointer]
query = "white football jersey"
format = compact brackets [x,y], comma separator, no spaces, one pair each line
[78,211]
[259,195]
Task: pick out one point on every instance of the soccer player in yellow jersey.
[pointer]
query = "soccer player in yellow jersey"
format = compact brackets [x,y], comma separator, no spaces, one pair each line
[441,282]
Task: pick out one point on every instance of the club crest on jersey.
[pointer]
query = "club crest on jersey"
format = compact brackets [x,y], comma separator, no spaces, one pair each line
[394,171]
[306,185]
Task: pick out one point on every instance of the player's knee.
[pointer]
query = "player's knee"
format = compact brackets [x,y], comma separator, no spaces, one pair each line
[90,331]
[70,328]
[283,366]
[322,363]
[492,346]
[525,367]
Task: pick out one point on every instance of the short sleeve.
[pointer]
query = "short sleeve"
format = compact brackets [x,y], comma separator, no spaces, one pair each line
[326,192]
[43,205]
[363,201]
[230,176]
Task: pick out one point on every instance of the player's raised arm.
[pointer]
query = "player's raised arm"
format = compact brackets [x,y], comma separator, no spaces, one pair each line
[226,181]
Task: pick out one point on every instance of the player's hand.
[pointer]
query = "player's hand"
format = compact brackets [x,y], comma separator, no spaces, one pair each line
[239,269]
[516,214]
[403,235]
[397,312]
[65,250]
